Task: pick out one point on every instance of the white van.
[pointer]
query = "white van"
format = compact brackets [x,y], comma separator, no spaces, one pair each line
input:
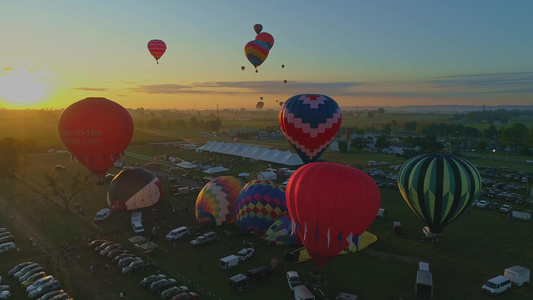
[301,292]
[9,246]
[177,233]
[102,214]
[496,285]
[229,261]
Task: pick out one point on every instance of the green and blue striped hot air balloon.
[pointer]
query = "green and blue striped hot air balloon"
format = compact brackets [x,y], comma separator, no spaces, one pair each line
[438,187]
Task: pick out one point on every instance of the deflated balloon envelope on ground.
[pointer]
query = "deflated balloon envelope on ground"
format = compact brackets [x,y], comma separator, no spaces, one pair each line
[310,122]
[438,187]
[133,189]
[332,205]
[215,204]
[96,131]
[260,203]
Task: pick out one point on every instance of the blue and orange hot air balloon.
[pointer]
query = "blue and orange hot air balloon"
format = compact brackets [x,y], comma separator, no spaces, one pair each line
[96,131]
[331,205]
[310,123]
[157,48]
[260,203]
[215,204]
[256,52]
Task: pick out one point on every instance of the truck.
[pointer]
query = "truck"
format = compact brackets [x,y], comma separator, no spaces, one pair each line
[524,216]
[301,292]
[229,261]
[424,284]
[136,222]
[518,275]
[204,238]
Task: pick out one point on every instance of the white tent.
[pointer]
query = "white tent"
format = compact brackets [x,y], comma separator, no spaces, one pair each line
[214,170]
[187,165]
[269,175]
[254,152]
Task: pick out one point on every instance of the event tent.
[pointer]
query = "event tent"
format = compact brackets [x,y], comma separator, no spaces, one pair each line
[214,170]
[254,152]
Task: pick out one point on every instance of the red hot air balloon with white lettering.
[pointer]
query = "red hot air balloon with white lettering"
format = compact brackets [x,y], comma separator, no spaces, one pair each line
[331,205]
[96,131]
[310,123]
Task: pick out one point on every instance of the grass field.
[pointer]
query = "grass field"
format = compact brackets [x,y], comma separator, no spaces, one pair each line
[477,246]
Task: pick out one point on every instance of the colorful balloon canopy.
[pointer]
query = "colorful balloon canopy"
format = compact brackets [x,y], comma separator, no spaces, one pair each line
[260,203]
[438,187]
[258,28]
[310,123]
[133,189]
[256,52]
[331,205]
[215,204]
[96,131]
[157,48]
[267,38]
[281,233]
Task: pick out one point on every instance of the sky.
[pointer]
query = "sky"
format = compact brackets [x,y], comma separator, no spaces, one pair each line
[360,53]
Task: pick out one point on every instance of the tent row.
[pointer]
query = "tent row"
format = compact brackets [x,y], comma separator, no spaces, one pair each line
[260,153]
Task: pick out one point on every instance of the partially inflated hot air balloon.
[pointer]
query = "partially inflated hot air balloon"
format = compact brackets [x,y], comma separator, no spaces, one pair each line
[331,205]
[260,203]
[256,52]
[215,204]
[310,123]
[133,189]
[281,233]
[258,28]
[157,48]
[267,38]
[438,187]
[96,131]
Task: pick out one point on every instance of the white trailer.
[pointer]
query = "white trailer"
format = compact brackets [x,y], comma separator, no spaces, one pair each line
[518,275]
[525,216]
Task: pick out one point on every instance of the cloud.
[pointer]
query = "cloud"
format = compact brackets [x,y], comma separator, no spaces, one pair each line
[90,89]
[8,69]
[512,79]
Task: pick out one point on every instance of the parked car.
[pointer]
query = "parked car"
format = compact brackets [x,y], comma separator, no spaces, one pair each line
[136,265]
[19,267]
[117,258]
[147,281]
[506,208]
[204,238]
[103,246]
[127,260]
[494,206]
[48,287]
[293,279]
[5,294]
[186,296]
[51,294]
[116,252]
[9,246]
[245,253]
[25,270]
[39,283]
[30,273]
[173,291]
[8,238]
[62,296]
[482,203]
[177,233]
[162,284]
[111,248]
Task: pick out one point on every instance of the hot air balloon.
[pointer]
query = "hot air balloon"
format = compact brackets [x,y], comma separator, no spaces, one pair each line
[256,52]
[133,189]
[215,204]
[260,203]
[267,38]
[258,28]
[281,103]
[259,105]
[331,205]
[280,232]
[310,123]
[438,188]
[157,48]
[282,66]
[243,67]
[96,131]
[285,81]
[261,98]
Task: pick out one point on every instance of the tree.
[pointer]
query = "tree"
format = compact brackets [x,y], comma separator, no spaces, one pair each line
[382,142]
[370,114]
[154,123]
[387,129]
[381,111]
[343,146]
[14,155]
[78,184]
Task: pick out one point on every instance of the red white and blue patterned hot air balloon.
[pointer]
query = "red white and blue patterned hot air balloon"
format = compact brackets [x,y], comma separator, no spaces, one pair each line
[310,123]
[260,203]
[157,48]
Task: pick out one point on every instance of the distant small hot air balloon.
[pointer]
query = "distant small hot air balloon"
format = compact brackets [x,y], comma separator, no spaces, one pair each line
[281,103]
[258,28]
[259,105]
[261,98]
[285,81]
[267,38]
[282,66]
[243,67]
[277,101]
[157,48]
